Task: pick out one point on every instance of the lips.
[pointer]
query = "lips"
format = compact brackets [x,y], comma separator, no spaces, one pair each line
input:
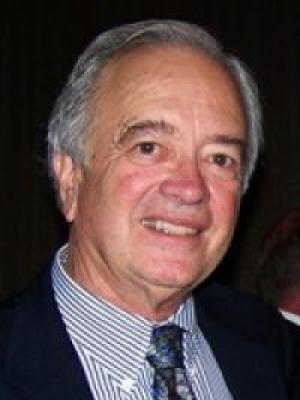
[170,228]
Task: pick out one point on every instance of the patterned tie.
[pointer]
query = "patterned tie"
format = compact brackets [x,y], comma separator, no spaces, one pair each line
[165,356]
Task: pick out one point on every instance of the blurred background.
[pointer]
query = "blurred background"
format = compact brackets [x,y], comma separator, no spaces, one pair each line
[40,41]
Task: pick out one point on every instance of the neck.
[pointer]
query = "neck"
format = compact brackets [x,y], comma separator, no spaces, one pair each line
[154,304]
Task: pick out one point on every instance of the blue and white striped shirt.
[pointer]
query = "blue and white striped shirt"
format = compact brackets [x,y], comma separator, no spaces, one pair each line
[112,344]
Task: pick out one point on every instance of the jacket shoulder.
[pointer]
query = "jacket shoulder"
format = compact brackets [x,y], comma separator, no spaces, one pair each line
[249,319]
[10,310]
[240,311]
[7,316]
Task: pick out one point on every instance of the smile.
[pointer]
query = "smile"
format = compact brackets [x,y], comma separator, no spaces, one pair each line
[169,228]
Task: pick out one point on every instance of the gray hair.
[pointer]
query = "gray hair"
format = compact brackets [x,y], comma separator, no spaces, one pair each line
[69,122]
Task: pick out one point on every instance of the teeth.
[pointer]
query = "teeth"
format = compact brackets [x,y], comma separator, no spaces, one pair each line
[168,228]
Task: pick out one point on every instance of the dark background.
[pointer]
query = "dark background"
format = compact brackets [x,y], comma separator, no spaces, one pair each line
[40,41]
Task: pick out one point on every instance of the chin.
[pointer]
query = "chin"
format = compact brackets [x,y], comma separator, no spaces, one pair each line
[178,275]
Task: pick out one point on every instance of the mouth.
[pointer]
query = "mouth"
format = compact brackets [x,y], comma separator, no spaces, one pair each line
[169,228]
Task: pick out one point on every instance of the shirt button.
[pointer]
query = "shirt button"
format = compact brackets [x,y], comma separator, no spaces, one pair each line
[127,384]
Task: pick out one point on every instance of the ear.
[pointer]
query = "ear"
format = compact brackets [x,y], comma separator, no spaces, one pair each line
[68,176]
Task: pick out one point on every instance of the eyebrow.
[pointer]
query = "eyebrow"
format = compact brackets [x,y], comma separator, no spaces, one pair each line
[156,126]
[161,126]
[230,140]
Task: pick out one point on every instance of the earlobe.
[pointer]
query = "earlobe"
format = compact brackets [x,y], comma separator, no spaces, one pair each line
[67,175]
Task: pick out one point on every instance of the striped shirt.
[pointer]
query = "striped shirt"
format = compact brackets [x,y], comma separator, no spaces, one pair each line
[112,344]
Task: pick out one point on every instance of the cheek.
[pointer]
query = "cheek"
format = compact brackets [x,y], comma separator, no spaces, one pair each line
[225,207]
[133,185]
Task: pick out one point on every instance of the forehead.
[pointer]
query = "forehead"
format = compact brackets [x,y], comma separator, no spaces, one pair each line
[152,79]
[164,63]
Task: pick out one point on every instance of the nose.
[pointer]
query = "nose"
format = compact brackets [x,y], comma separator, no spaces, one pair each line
[185,185]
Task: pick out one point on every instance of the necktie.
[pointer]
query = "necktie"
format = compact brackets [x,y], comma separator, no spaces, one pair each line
[165,356]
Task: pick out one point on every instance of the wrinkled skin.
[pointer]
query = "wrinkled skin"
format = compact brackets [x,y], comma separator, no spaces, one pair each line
[155,210]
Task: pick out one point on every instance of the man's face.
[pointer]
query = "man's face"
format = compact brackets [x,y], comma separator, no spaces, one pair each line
[157,206]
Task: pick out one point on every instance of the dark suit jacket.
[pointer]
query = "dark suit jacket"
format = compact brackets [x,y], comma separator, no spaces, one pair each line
[38,361]
[295,373]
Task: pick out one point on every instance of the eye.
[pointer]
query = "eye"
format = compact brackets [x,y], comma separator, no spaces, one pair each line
[223,160]
[148,152]
[147,148]
[224,166]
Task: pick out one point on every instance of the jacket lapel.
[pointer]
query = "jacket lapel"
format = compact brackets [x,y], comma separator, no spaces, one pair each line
[41,362]
[248,366]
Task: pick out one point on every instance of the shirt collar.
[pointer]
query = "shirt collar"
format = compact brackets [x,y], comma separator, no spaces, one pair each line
[111,333]
[294,318]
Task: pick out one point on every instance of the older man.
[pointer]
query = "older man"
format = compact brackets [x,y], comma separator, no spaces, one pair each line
[151,146]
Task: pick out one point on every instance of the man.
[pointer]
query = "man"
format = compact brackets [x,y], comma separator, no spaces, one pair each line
[151,146]
[278,279]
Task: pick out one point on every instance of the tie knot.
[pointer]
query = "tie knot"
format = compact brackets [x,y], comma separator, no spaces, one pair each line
[166,347]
